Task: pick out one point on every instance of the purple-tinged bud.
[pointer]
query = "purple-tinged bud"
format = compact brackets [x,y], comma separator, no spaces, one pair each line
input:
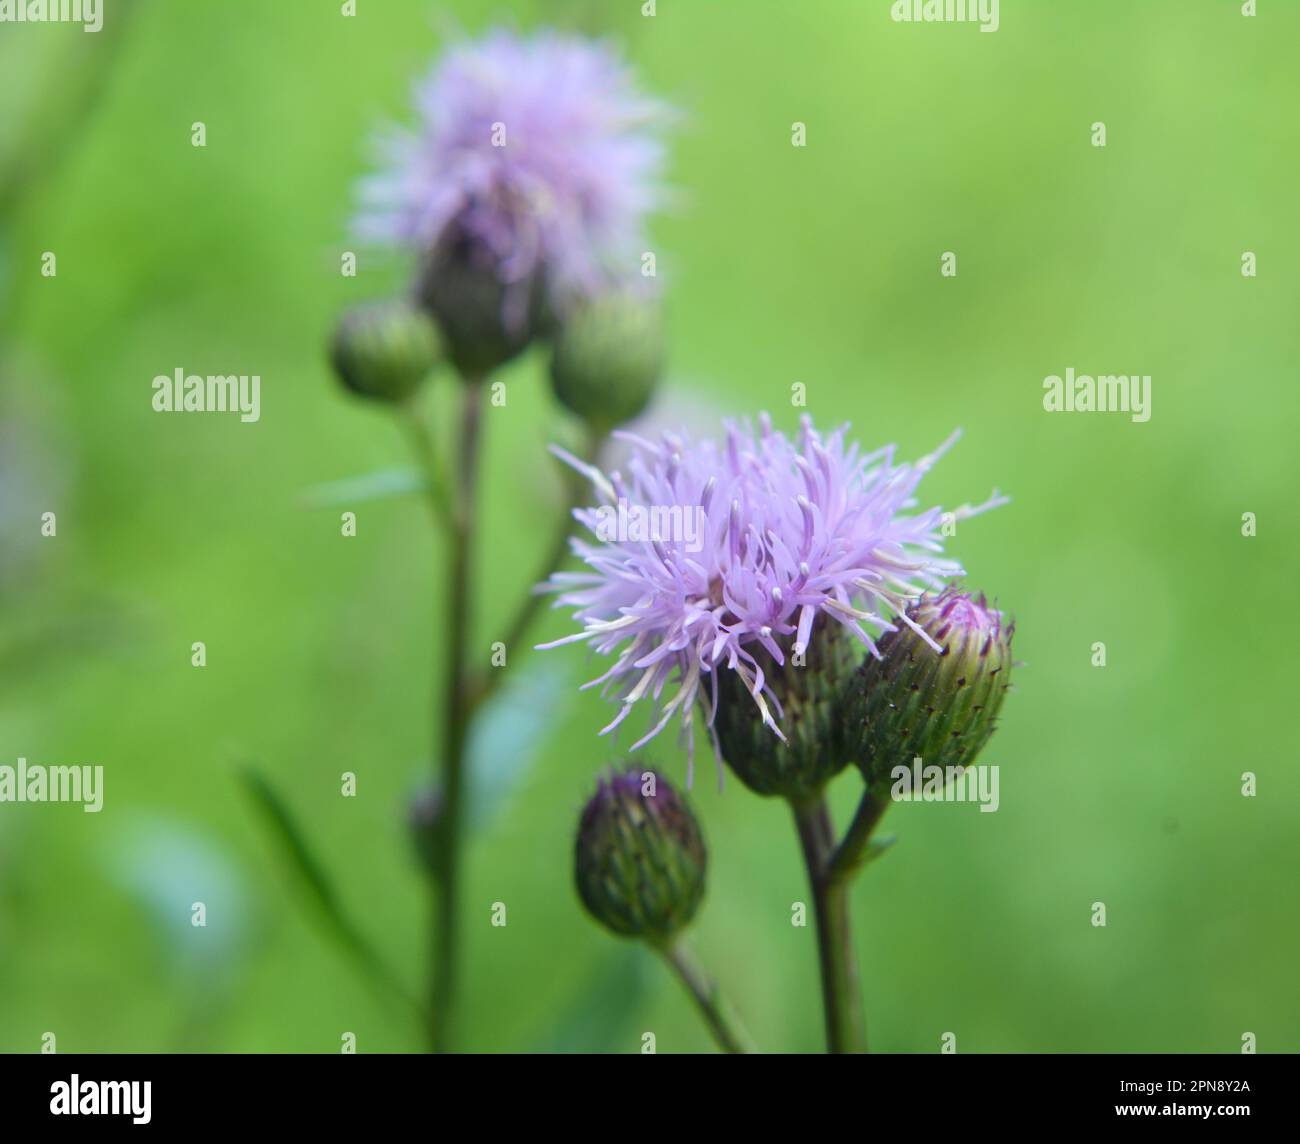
[938,705]
[384,350]
[486,315]
[808,697]
[640,857]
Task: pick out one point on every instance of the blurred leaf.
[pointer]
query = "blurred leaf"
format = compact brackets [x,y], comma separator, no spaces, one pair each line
[295,846]
[600,1014]
[320,888]
[874,848]
[168,866]
[509,736]
[55,86]
[877,846]
[370,487]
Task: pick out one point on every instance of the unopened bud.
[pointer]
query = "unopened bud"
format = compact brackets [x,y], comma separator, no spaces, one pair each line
[608,358]
[940,706]
[486,316]
[384,350]
[640,857]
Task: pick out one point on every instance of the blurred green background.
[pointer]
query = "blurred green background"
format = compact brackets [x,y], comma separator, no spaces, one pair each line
[817,265]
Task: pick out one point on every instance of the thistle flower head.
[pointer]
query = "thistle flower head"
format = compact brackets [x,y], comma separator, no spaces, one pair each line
[937,688]
[711,557]
[639,858]
[541,152]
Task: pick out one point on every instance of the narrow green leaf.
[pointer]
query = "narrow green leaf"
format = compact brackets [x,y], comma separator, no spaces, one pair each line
[368,487]
[294,845]
[312,876]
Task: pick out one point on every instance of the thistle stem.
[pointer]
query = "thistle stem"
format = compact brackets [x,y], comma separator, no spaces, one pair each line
[426,454]
[841,996]
[574,488]
[718,1015]
[848,856]
[455,726]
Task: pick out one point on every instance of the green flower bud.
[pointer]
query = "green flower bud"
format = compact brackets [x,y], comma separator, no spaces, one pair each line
[939,706]
[640,857]
[486,318]
[384,350]
[608,358]
[809,703]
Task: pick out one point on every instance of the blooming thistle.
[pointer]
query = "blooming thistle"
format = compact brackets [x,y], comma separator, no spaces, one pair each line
[745,548]
[536,159]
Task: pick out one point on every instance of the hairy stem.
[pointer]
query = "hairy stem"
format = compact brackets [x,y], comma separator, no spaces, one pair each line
[718,1015]
[841,996]
[455,725]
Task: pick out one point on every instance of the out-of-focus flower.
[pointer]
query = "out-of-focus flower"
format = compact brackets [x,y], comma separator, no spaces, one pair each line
[607,360]
[714,557]
[524,186]
[384,350]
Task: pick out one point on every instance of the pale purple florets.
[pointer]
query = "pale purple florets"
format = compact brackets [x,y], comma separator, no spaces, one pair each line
[707,551]
[541,149]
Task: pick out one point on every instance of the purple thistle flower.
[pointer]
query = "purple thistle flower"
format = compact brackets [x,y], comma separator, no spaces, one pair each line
[708,551]
[541,151]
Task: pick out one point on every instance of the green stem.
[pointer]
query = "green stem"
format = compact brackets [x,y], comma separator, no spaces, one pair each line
[848,857]
[455,726]
[575,496]
[426,454]
[841,996]
[718,1015]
